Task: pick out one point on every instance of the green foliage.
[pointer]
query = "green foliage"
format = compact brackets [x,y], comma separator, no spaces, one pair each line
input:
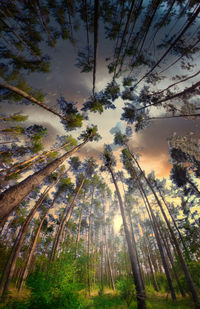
[194,267]
[16,118]
[14,130]
[107,301]
[126,289]
[91,134]
[52,287]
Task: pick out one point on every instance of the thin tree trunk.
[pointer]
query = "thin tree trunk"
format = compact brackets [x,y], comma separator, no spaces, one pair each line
[65,218]
[135,248]
[176,227]
[182,261]
[191,20]
[10,267]
[108,256]
[140,293]
[176,83]
[88,255]
[188,90]
[27,96]
[29,258]
[193,186]
[124,36]
[96,35]
[190,117]
[12,29]
[39,156]
[101,271]
[78,233]
[171,261]
[160,246]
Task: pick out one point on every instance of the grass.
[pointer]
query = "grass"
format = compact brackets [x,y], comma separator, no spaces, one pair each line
[113,300]
[109,299]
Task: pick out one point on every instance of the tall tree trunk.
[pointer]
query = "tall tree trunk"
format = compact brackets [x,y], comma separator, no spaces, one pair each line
[158,240]
[140,293]
[96,36]
[12,27]
[162,23]
[9,171]
[108,255]
[88,254]
[65,218]
[155,284]
[171,261]
[12,197]
[10,267]
[188,90]
[101,270]
[78,233]
[173,220]
[30,255]
[124,36]
[191,20]
[135,248]
[87,29]
[27,96]
[180,255]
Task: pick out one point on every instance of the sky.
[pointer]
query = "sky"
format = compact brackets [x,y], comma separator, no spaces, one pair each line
[66,80]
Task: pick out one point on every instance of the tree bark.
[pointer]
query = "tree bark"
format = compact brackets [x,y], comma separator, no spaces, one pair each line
[10,267]
[39,157]
[140,293]
[96,35]
[159,243]
[181,258]
[135,248]
[29,258]
[191,20]
[108,255]
[78,233]
[65,218]
[12,197]
[27,96]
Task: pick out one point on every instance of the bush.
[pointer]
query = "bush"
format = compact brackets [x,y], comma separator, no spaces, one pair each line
[54,288]
[126,289]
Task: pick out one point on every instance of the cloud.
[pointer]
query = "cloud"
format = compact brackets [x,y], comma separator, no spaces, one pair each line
[153,146]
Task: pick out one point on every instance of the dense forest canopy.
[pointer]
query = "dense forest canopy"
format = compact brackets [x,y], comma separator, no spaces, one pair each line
[99,153]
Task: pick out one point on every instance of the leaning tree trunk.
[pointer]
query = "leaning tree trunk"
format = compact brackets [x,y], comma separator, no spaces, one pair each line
[158,240]
[12,197]
[135,247]
[107,253]
[140,293]
[180,255]
[27,96]
[65,218]
[173,220]
[10,267]
[191,20]
[171,261]
[29,258]
[96,36]
[13,169]
[78,233]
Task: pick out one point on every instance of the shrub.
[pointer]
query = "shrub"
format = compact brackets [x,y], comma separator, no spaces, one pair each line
[126,289]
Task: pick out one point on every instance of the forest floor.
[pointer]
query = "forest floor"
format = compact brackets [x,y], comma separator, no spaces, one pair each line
[113,300]
[110,299]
